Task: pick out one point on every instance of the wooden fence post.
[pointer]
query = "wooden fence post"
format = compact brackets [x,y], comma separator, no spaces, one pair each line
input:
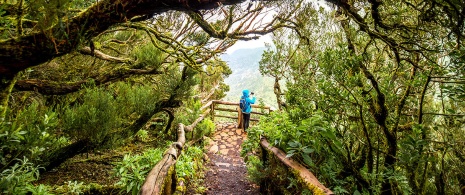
[239,118]
[212,115]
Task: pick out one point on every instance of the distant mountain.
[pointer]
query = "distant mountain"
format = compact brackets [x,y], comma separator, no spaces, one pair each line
[246,75]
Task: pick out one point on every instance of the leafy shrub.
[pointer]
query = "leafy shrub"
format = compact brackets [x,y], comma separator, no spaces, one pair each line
[133,169]
[204,128]
[17,179]
[40,189]
[189,168]
[189,163]
[148,55]
[30,134]
[189,113]
[255,169]
[102,113]
[94,118]
[143,135]
[310,141]
[136,99]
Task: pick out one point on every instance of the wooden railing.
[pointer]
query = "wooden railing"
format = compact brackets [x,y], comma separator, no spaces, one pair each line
[306,177]
[233,107]
[161,179]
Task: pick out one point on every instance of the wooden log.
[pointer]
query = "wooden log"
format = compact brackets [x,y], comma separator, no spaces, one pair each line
[307,177]
[239,118]
[160,180]
[212,107]
[206,105]
[154,182]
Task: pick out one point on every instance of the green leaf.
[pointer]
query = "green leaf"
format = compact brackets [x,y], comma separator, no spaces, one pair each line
[294,144]
[308,150]
[289,155]
[308,160]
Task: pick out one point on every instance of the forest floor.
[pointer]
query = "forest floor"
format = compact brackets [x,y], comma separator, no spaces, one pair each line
[226,171]
[91,168]
[225,174]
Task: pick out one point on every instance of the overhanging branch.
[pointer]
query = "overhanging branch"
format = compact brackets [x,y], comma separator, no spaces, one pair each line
[47,87]
[41,46]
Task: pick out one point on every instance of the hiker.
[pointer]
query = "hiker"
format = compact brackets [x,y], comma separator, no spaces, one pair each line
[246,107]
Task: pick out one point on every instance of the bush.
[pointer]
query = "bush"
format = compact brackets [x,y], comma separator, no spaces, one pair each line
[309,141]
[189,168]
[189,163]
[18,178]
[204,128]
[94,118]
[102,113]
[134,168]
[29,135]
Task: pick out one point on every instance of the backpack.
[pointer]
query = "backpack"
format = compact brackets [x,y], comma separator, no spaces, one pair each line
[243,104]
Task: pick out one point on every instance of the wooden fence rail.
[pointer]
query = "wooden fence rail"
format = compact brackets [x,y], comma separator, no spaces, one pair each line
[309,180]
[234,108]
[162,180]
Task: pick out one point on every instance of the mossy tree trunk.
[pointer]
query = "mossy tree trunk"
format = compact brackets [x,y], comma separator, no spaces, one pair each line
[6,86]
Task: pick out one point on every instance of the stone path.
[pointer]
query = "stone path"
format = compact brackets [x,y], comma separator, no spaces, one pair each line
[227,173]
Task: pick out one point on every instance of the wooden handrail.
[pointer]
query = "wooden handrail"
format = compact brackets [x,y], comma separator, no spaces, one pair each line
[303,173]
[156,181]
[160,179]
[237,104]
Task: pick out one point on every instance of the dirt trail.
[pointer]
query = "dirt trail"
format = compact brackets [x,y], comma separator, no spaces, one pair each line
[227,172]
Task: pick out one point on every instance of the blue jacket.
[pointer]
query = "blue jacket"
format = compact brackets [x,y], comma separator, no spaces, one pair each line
[246,96]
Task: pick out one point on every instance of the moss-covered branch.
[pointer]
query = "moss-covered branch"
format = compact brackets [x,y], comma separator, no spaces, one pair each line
[17,54]
[99,54]
[48,87]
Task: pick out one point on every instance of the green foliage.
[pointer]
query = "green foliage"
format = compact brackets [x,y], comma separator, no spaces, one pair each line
[148,55]
[40,189]
[18,178]
[49,13]
[255,169]
[95,118]
[142,135]
[189,165]
[189,112]
[135,99]
[100,115]
[30,134]
[5,22]
[310,141]
[205,128]
[133,169]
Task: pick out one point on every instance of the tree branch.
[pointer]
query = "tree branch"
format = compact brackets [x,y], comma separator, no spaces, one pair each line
[41,46]
[47,87]
[103,56]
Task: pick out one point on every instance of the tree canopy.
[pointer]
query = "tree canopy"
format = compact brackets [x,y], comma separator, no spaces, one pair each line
[373,97]
[376,86]
[62,30]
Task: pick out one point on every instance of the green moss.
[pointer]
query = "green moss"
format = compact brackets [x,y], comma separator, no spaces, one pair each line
[168,183]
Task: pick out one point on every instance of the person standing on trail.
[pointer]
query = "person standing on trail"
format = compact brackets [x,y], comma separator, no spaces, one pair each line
[245,104]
